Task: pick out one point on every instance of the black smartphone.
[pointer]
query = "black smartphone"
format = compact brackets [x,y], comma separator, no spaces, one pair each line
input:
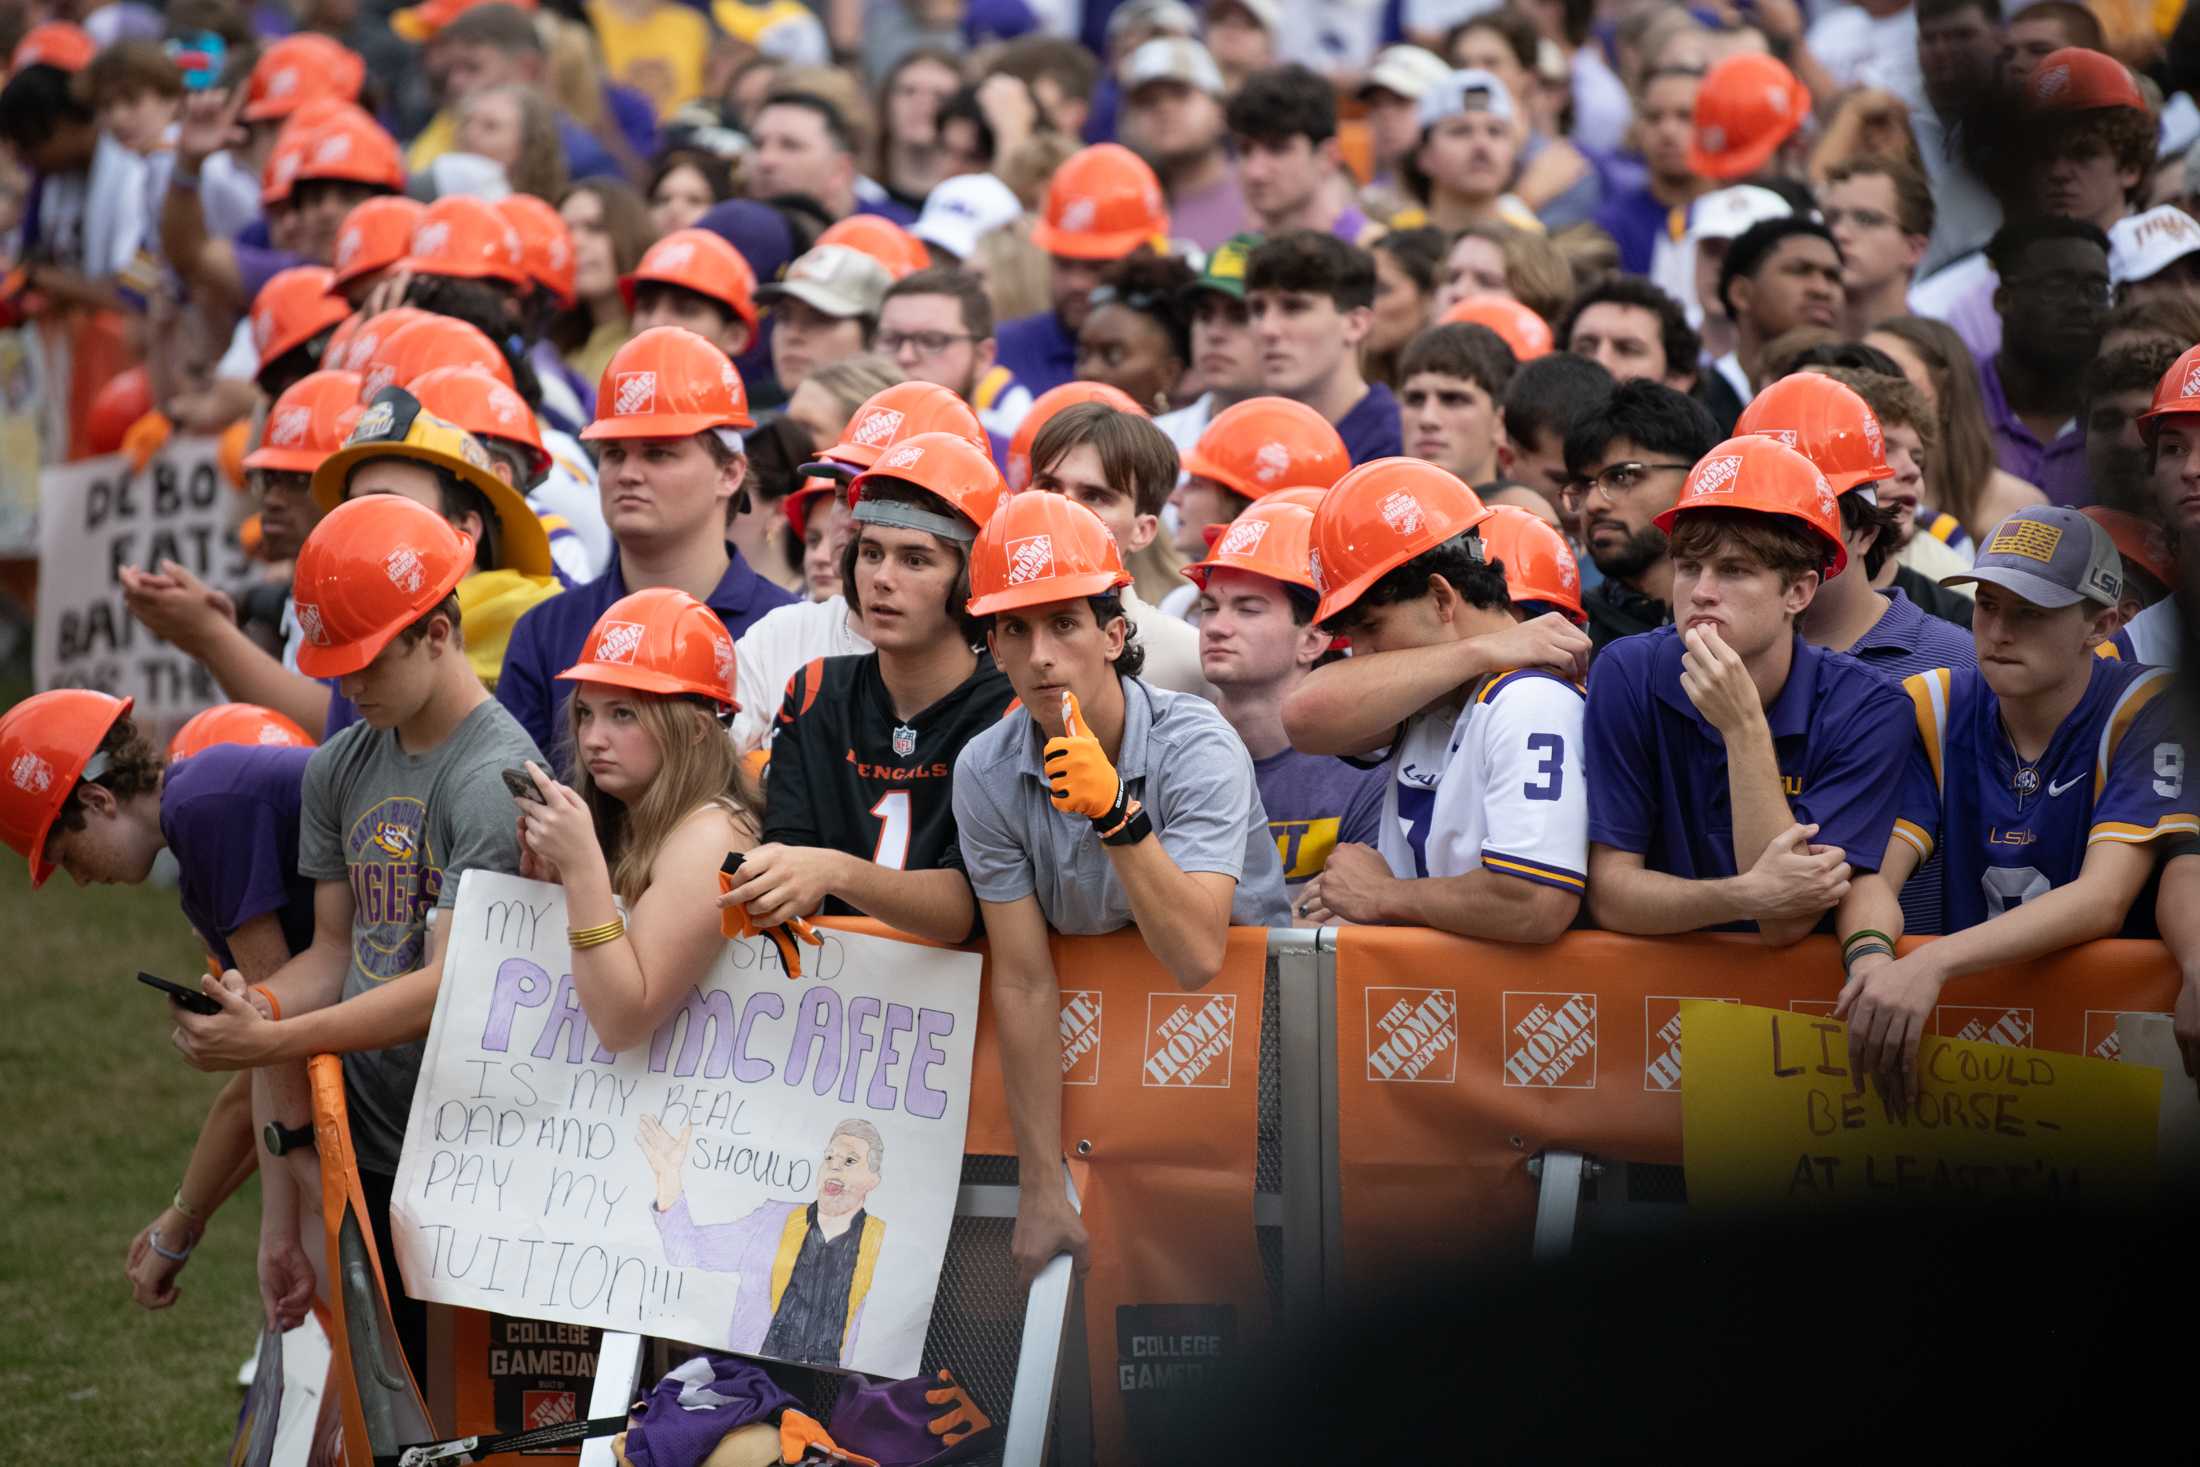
[522,786]
[731,866]
[190,998]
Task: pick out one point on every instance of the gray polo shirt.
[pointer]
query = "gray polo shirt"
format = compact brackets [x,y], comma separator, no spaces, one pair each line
[1180,760]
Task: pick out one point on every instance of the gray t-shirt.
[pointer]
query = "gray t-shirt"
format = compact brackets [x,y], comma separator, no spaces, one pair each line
[401,829]
[1179,759]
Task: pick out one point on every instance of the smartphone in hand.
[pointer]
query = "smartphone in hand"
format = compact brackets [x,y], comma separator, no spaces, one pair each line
[522,786]
[188,998]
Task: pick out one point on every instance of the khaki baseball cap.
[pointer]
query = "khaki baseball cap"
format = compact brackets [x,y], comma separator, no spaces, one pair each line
[834,279]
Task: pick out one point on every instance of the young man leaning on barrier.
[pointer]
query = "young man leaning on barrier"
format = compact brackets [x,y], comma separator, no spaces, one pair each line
[1485,821]
[1106,803]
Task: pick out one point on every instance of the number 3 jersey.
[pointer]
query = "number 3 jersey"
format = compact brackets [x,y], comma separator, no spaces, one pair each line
[1498,786]
[848,774]
[2010,831]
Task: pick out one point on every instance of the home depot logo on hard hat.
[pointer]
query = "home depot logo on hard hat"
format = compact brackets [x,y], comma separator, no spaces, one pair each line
[283,82]
[877,428]
[1080,1025]
[721,658]
[432,239]
[348,248]
[1189,1040]
[1402,512]
[903,457]
[675,256]
[334,148]
[31,774]
[263,328]
[1825,497]
[288,427]
[1243,537]
[2051,83]
[1717,476]
[1271,463]
[1314,568]
[1778,435]
[1030,558]
[634,393]
[618,642]
[1078,215]
[505,405]
[309,623]
[1413,1035]
[405,570]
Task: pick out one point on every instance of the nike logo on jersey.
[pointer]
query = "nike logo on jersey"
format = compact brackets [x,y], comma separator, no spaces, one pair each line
[2054,789]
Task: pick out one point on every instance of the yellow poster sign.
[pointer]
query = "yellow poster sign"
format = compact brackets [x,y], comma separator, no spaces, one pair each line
[1772,1116]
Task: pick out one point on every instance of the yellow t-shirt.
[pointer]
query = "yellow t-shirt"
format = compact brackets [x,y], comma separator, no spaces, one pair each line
[660,54]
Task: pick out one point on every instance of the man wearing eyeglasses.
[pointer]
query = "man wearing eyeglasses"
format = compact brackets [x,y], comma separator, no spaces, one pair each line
[1881,213]
[937,326]
[2053,300]
[1625,463]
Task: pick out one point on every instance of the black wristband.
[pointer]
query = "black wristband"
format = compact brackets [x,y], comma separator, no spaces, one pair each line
[1132,831]
[1102,824]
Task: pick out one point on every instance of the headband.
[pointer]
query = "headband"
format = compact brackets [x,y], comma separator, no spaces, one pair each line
[909,517]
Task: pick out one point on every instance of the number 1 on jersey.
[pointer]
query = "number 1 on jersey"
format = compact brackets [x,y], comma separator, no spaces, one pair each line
[892,814]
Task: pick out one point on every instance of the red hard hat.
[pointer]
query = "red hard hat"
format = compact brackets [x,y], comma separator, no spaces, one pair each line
[46,741]
[944,464]
[342,145]
[1747,106]
[2178,393]
[1380,516]
[308,423]
[698,260]
[1270,539]
[292,308]
[371,568]
[1102,203]
[2141,543]
[466,239]
[298,68]
[892,414]
[2074,79]
[1528,334]
[375,236]
[797,505]
[1825,422]
[120,401]
[546,241]
[485,407]
[55,43]
[1043,408]
[668,383]
[1040,548]
[662,641]
[237,723]
[1539,564]
[1767,477]
[1266,443]
[416,347]
[901,252]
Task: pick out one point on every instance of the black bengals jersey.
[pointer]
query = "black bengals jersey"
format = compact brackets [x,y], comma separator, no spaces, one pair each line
[846,773]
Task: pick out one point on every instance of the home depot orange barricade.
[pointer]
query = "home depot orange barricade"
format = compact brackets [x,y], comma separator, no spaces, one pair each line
[1457,1061]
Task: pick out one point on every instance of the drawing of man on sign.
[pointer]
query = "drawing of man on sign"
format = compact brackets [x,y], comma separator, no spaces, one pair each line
[817,1257]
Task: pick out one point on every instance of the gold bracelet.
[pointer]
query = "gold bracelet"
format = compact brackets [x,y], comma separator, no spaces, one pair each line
[587,937]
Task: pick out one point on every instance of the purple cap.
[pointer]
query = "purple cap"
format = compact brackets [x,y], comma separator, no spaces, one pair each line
[924,1421]
[758,231]
[2051,556]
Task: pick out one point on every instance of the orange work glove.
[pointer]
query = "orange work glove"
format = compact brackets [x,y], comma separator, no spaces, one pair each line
[959,1417]
[735,922]
[799,1433]
[1080,778]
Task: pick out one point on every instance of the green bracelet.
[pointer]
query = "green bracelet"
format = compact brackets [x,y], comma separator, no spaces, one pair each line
[1860,934]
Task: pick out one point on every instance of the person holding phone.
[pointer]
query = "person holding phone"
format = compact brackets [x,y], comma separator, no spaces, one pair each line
[657,800]
[88,794]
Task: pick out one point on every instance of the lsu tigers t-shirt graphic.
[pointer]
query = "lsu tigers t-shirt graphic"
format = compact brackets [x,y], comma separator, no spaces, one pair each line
[394,880]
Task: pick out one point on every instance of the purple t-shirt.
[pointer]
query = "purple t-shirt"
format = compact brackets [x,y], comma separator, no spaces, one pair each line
[1212,215]
[1373,428]
[2057,468]
[230,813]
[1315,804]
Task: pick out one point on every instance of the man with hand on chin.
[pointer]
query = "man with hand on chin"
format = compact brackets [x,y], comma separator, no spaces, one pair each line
[1110,803]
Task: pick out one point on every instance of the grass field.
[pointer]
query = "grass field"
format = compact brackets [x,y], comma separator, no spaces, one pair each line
[98,1119]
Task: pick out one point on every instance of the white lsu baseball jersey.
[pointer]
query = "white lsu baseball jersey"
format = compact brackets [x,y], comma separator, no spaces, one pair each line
[1499,786]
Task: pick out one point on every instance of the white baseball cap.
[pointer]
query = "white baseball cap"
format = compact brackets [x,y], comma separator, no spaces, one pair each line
[1407,70]
[964,209]
[1468,90]
[1171,58]
[2141,246]
[1728,212]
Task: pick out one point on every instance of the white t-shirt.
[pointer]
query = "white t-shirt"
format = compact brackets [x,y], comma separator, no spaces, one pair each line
[581,544]
[777,646]
[1933,558]
[1846,39]
[2154,634]
[1497,785]
[1172,648]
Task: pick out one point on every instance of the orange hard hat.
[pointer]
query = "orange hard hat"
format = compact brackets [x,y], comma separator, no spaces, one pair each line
[419,23]
[1747,106]
[892,414]
[1528,334]
[660,640]
[1043,408]
[485,407]
[2142,543]
[1266,443]
[1304,495]
[1539,564]
[47,743]
[2178,393]
[420,346]
[375,236]
[298,68]
[797,505]
[371,568]
[1380,516]
[1765,476]
[2074,79]
[292,308]
[466,239]
[120,401]
[668,383]
[1102,203]
[1825,422]
[363,343]
[901,252]
[344,145]
[1270,539]
[1040,548]
[546,242]
[308,423]
[55,43]
[336,354]
[281,168]
[237,723]
[944,464]
[697,260]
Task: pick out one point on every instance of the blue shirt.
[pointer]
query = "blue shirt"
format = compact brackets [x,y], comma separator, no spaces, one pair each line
[1634,219]
[1373,428]
[2114,771]
[1039,350]
[1657,770]
[230,813]
[2058,468]
[548,639]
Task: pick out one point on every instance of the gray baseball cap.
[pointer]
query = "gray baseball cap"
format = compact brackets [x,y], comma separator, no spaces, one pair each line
[2051,556]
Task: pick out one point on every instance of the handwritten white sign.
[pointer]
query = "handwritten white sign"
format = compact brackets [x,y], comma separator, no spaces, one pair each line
[774,1173]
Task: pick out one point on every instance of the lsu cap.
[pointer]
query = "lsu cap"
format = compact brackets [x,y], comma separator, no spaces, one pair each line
[2051,556]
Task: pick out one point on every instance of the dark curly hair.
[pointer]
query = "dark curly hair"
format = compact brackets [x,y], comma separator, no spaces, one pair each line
[1479,582]
[133,768]
[1157,287]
